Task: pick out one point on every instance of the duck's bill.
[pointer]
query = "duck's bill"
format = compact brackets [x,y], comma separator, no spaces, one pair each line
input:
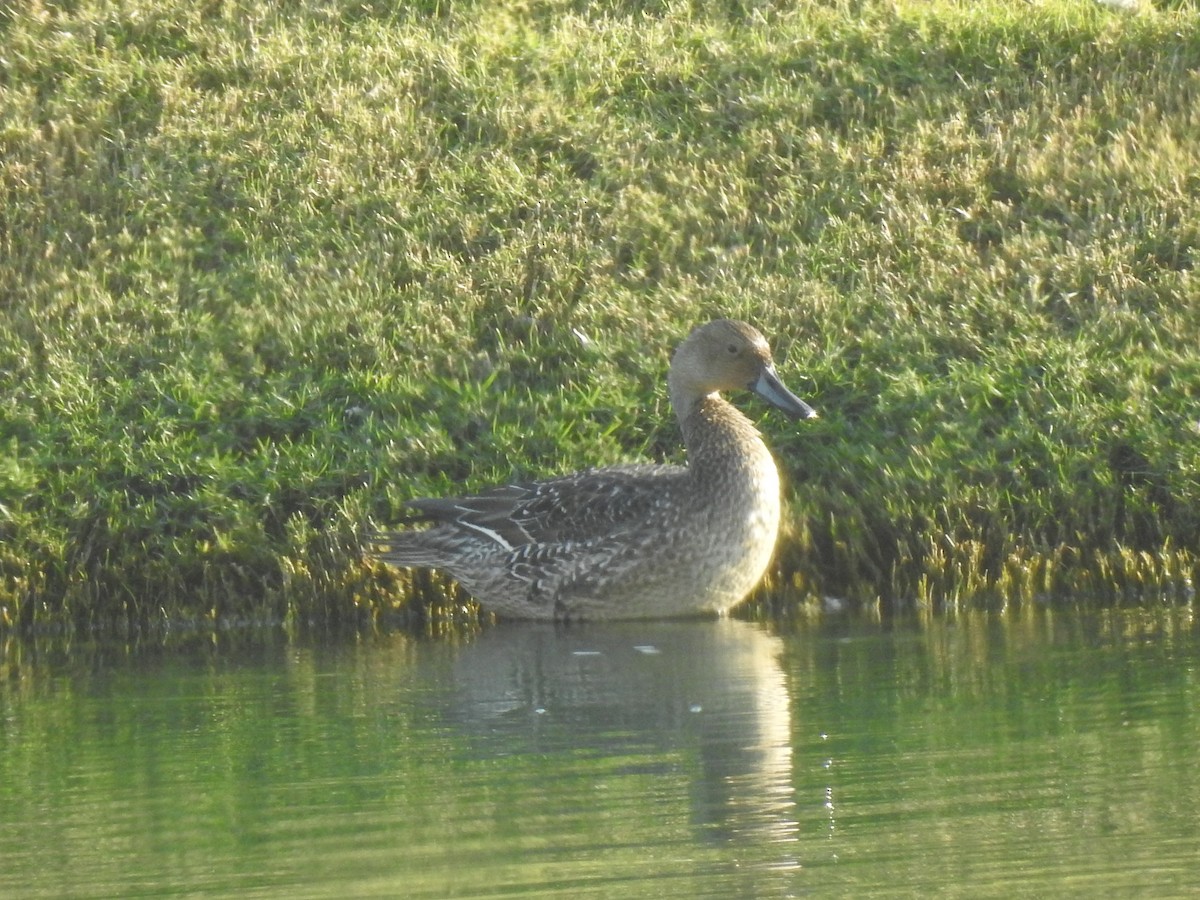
[770,388]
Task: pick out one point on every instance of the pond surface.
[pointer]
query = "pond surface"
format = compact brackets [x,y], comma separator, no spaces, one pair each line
[1039,754]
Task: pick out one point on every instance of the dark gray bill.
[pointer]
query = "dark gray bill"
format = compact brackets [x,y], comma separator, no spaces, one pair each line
[770,388]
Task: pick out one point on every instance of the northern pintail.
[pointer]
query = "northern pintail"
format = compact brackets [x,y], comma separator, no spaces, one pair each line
[629,541]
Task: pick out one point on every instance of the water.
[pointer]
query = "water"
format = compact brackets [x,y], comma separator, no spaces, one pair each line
[1045,754]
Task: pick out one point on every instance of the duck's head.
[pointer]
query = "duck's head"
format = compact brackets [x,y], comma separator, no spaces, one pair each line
[727,355]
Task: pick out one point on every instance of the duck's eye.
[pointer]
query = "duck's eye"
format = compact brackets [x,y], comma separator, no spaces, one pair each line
[732,348]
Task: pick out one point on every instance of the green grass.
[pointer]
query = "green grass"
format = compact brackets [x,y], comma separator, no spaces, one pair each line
[267,269]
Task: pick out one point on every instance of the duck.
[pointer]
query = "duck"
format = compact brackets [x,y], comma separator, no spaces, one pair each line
[632,541]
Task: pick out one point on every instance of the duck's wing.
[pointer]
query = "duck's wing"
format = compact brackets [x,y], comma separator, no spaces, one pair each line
[574,508]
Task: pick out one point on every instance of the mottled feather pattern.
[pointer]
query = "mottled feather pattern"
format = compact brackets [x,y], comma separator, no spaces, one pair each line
[548,511]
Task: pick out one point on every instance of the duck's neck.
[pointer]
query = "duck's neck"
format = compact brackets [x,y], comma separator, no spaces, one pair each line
[682,397]
[719,439]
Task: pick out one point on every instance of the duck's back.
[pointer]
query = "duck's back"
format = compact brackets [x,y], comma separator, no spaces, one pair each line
[576,508]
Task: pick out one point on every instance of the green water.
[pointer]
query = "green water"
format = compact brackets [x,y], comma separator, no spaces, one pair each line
[1038,755]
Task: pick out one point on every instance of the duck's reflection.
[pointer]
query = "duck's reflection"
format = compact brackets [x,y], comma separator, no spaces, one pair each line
[710,694]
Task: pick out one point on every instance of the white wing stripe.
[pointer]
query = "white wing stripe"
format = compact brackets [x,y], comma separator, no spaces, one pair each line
[494,535]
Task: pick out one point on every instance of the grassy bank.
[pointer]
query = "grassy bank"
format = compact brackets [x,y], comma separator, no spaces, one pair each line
[267,269]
